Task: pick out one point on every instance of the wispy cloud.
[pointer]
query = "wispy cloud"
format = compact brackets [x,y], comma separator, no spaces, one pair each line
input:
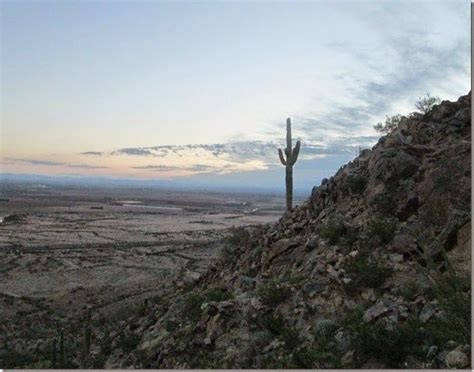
[51,163]
[418,64]
[95,153]
[232,155]
[195,168]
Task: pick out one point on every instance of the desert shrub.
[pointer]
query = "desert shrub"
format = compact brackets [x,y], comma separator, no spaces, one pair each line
[315,357]
[238,236]
[425,104]
[12,358]
[192,301]
[410,290]
[349,238]
[128,340]
[325,328]
[192,306]
[385,203]
[390,346]
[391,122]
[357,183]
[365,272]
[273,293]
[451,289]
[333,230]
[453,293]
[218,294]
[381,230]
[276,324]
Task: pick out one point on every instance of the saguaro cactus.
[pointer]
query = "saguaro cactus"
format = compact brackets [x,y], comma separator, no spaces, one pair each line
[291,157]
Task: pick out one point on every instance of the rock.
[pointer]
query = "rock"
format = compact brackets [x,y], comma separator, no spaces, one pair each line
[226,307]
[299,226]
[281,246]
[192,276]
[347,359]
[427,312]
[374,312]
[353,254]
[210,308]
[343,341]
[451,345]
[315,287]
[390,164]
[256,303]
[332,272]
[410,207]
[403,243]
[432,351]
[368,295]
[457,359]
[396,257]
[311,244]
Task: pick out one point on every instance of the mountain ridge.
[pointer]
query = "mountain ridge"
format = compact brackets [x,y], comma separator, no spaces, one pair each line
[371,271]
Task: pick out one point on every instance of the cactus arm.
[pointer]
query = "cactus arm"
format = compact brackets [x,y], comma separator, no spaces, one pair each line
[282,158]
[296,151]
[288,135]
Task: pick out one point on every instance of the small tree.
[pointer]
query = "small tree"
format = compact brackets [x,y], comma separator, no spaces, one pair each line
[390,124]
[426,104]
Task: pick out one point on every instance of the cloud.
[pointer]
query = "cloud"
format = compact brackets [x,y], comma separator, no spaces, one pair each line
[93,153]
[406,63]
[237,156]
[51,163]
[195,168]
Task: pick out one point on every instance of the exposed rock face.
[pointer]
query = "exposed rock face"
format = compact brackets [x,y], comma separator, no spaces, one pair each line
[350,278]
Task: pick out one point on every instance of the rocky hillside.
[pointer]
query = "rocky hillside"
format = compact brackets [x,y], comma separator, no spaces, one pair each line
[372,271]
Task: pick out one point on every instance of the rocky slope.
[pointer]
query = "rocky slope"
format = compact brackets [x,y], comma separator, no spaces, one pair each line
[372,271]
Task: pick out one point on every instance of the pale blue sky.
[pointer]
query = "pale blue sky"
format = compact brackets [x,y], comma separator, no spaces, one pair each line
[101,76]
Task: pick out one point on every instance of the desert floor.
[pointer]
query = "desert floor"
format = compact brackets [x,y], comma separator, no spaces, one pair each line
[65,248]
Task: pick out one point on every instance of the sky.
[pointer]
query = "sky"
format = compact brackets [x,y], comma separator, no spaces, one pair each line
[198,92]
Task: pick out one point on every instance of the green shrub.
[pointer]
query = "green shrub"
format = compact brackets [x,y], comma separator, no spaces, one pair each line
[426,104]
[273,293]
[357,183]
[390,346]
[382,230]
[410,290]
[365,272]
[128,340]
[391,122]
[218,294]
[385,203]
[453,292]
[192,306]
[333,230]
[310,358]
[238,236]
[275,323]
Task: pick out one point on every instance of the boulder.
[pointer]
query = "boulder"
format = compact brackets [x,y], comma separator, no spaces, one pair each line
[457,359]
